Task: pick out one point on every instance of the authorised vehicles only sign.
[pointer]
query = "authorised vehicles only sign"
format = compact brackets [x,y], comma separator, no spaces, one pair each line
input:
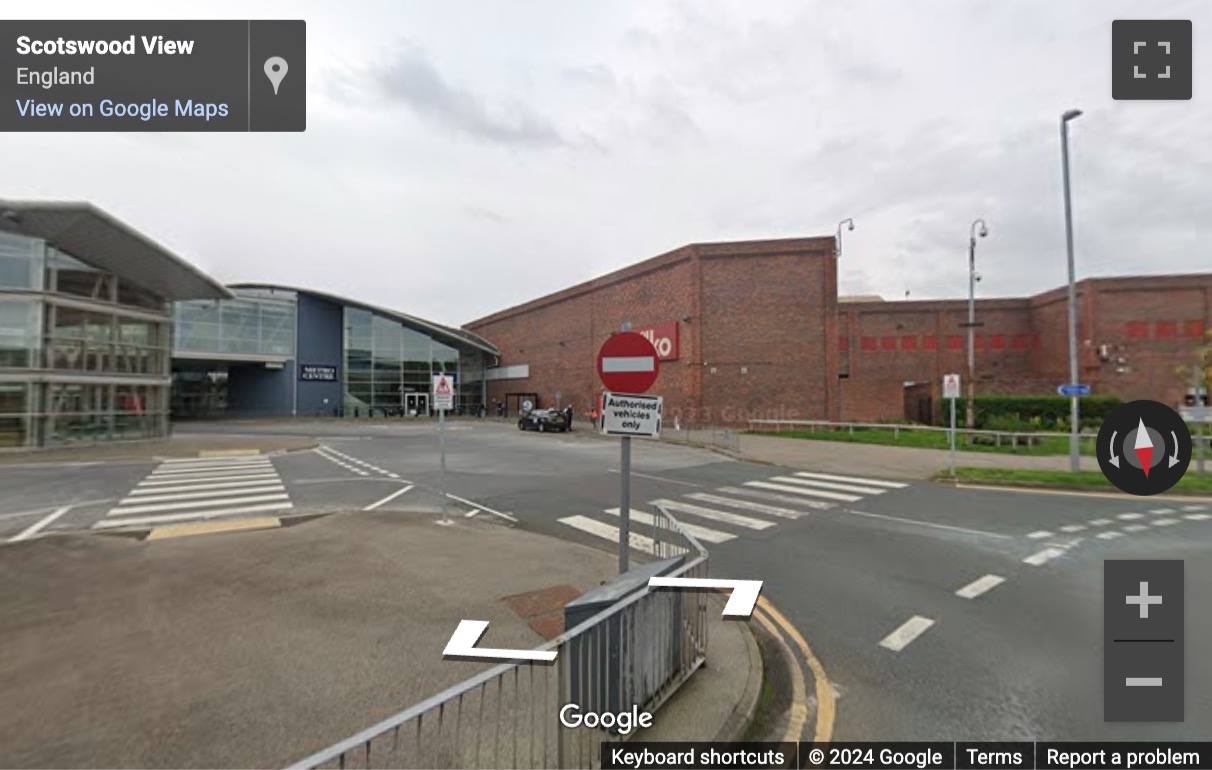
[631,415]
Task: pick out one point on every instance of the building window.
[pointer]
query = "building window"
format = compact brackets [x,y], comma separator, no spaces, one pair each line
[1193,328]
[929,342]
[867,343]
[20,261]
[888,342]
[14,418]
[19,334]
[955,342]
[998,341]
[1166,329]
[843,343]
[909,342]
[1021,342]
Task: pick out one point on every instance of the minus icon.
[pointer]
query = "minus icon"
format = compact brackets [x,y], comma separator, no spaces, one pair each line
[1143,681]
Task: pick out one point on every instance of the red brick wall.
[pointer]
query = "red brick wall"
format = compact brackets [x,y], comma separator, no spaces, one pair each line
[755,323]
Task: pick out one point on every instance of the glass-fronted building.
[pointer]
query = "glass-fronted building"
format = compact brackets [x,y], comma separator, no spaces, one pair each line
[276,350]
[85,326]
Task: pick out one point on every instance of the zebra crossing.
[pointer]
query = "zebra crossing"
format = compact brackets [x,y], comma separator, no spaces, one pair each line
[732,511]
[190,489]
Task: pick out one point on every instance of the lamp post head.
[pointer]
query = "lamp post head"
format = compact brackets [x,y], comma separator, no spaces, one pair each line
[851,227]
[984,231]
[1070,115]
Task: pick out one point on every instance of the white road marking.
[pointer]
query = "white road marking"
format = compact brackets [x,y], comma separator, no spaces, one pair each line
[484,508]
[1040,535]
[711,513]
[188,462]
[139,520]
[213,494]
[830,485]
[816,505]
[1197,516]
[659,478]
[929,524]
[1099,522]
[148,482]
[1046,555]
[1195,507]
[909,630]
[387,499]
[212,474]
[852,479]
[1162,511]
[179,471]
[702,533]
[803,491]
[337,461]
[122,510]
[980,586]
[1164,522]
[1073,528]
[38,525]
[746,505]
[607,532]
[1136,528]
[1111,535]
[146,489]
[1130,516]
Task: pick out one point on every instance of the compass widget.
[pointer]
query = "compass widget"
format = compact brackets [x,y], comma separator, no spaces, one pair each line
[1144,447]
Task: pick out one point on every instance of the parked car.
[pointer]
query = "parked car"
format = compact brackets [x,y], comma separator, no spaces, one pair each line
[543,420]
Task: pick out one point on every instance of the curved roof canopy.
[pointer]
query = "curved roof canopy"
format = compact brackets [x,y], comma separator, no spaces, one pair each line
[438,331]
[93,236]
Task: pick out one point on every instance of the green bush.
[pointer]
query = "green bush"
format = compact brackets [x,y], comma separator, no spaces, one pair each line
[1044,413]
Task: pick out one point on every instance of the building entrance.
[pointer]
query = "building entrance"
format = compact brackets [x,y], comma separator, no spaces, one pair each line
[416,404]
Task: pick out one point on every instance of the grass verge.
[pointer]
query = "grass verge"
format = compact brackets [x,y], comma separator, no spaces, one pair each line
[930,439]
[1191,484]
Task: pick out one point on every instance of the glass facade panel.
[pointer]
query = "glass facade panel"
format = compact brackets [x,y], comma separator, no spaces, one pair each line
[20,262]
[243,326]
[19,334]
[74,278]
[14,420]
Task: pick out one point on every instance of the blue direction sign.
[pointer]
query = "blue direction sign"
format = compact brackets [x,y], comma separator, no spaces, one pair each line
[1074,390]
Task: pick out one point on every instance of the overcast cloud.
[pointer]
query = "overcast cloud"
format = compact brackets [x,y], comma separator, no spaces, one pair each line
[463,157]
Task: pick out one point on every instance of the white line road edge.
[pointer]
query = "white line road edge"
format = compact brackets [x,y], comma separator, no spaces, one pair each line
[37,526]
[484,508]
[930,524]
[388,499]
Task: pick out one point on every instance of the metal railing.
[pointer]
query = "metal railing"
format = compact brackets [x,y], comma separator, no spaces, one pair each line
[508,715]
[721,438]
[997,437]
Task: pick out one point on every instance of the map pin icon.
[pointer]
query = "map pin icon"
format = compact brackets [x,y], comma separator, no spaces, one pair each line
[275,70]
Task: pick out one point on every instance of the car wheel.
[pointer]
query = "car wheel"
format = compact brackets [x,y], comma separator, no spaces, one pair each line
[542,427]
[521,425]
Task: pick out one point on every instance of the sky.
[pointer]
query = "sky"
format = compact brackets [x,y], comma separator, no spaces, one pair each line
[464,157]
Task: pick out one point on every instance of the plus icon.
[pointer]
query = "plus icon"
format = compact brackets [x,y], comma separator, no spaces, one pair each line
[1151,59]
[1144,600]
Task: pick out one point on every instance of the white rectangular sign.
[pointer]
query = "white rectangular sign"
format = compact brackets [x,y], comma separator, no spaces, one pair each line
[951,386]
[443,392]
[628,415]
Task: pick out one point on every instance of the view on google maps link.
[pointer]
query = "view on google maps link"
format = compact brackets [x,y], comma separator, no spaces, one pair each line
[640,384]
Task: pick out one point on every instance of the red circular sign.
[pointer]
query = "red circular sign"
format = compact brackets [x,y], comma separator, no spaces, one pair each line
[628,363]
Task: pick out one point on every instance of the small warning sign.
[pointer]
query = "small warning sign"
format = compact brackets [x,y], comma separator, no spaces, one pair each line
[443,392]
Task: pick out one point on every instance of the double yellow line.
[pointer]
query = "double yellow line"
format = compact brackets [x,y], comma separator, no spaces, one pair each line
[826,707]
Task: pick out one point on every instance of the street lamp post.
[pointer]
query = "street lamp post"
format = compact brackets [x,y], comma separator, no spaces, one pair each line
[1074,409]
[970,408]
[838,250]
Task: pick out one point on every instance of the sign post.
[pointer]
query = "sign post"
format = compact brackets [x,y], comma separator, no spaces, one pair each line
[627,363]
[951,391]
[443,399]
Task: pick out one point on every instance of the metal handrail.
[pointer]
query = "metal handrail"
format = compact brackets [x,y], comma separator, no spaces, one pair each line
[359,746]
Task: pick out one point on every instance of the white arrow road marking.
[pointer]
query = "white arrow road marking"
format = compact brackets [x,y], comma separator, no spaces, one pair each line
[463,643]
[740,602]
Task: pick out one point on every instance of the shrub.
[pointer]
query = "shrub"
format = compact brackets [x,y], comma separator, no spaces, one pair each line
[1045,413]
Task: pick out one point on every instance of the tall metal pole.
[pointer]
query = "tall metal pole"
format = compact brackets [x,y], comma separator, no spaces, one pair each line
[1074,409]
[970,407]
[442,451]
[837,252]
[625,505]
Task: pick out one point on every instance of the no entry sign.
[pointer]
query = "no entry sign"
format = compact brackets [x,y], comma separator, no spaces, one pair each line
[628,363]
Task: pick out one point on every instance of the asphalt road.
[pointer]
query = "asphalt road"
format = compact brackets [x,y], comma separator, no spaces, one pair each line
[867,567]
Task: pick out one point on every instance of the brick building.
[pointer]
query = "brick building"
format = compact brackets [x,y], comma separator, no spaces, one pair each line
[755,329]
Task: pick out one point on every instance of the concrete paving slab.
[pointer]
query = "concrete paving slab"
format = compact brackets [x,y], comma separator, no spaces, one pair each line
[194,445]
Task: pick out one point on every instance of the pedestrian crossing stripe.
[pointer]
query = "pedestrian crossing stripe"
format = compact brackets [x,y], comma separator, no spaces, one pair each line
[747,505]
[141,520]
[803,491]
[710,513]
[607,532]
[815,505]
[123,510]
[853,479]
[701,533]
[796,479]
